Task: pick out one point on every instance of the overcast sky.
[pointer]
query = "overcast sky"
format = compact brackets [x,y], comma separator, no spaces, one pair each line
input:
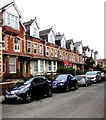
[77,19]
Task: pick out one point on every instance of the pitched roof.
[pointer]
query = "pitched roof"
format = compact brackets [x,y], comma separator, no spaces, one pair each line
[45,32]
[85,48]
[2,8]
[15,6]
[28,23]
[77,44]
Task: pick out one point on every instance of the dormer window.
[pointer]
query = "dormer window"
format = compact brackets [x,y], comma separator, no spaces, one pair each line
[51,38]
[12,21]
[34,32]
[17,44]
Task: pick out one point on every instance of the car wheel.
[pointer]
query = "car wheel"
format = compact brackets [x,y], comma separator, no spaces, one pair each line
[28,98]
[76,86]
[67,88]
[49,93]
[86,84]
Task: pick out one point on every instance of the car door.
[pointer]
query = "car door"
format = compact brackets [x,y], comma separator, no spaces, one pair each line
[44,85]
[36,86]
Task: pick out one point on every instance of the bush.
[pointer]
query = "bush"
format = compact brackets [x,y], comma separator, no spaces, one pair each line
[66,70]
[78,72]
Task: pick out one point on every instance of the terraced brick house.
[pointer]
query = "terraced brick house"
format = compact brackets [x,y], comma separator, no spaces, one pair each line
[51,49]
[13,42]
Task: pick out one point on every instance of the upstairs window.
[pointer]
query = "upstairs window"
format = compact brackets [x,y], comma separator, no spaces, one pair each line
[41,49]
[28,47]
[17,44]
[3,41]
[51,38]
[34,32]
[12,21]
[35,48]
[47,51]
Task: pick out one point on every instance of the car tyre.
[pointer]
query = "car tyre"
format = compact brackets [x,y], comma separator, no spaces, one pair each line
[67,88]
[76,86]
[86,84]
[49,93]
[28,98]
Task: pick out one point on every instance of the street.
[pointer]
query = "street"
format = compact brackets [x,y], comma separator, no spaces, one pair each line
[86,102]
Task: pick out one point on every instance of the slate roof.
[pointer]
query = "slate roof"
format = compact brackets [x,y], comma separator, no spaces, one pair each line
[12,3]
[28,23]
[45,32]
[2,8]
[58,37]
[77,44]
[85,48]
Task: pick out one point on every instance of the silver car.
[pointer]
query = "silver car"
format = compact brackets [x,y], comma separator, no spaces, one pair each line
[82,80]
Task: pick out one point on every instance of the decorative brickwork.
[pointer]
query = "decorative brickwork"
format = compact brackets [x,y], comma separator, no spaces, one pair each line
[1,54]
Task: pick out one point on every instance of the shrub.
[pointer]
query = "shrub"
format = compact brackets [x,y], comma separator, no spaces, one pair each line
[66,70]
[78,72]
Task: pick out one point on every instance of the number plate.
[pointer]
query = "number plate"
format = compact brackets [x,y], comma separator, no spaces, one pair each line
[10,96]
[54,86]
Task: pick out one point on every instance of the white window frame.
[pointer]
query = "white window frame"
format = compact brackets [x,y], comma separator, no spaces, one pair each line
[35,47]
[50,66]
[12,21]
[54,64]
[3,41]
[34,32]
[41,49]
[12,64]
[47,51]
[35,65]
[41,65]
[28,46]
[17,44]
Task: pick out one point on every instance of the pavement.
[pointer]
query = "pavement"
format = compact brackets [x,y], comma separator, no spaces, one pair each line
[1,98]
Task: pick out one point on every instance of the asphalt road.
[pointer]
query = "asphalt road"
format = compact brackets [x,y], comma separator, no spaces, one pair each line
[86,102]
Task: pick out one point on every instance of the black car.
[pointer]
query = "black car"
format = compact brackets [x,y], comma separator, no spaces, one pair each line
[64,82]
[34,87]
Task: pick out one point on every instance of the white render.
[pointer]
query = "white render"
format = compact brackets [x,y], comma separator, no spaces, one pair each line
[80,49]
[33,25]
[63,42]
[12,11]
[49,37]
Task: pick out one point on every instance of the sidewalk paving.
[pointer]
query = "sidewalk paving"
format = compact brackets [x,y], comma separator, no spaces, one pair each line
[1,98]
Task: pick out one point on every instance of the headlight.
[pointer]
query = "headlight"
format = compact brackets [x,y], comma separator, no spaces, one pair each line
[61,84]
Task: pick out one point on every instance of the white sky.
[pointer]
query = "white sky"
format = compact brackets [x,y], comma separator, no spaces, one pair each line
[77,19]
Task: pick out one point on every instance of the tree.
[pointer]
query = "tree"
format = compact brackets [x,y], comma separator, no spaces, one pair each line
[89,62]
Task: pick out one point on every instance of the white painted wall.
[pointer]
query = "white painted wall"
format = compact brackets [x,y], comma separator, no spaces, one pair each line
[31,29]
[12,11]
[80,49]
[63,42]
[49,37]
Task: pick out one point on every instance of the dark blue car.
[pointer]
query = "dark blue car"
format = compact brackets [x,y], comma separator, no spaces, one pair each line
[64,82]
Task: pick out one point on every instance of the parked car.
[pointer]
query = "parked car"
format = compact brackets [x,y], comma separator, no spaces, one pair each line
[64,82]
[83,81]
[95,76]
[34,87]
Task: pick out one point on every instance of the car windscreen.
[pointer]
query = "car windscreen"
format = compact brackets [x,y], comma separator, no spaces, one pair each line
[61,77]
[29,81]
[78,77]
[91,73]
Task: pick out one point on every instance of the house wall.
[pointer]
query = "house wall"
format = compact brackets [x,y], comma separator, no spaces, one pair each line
[80,49]
[1,71]
[63,42]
